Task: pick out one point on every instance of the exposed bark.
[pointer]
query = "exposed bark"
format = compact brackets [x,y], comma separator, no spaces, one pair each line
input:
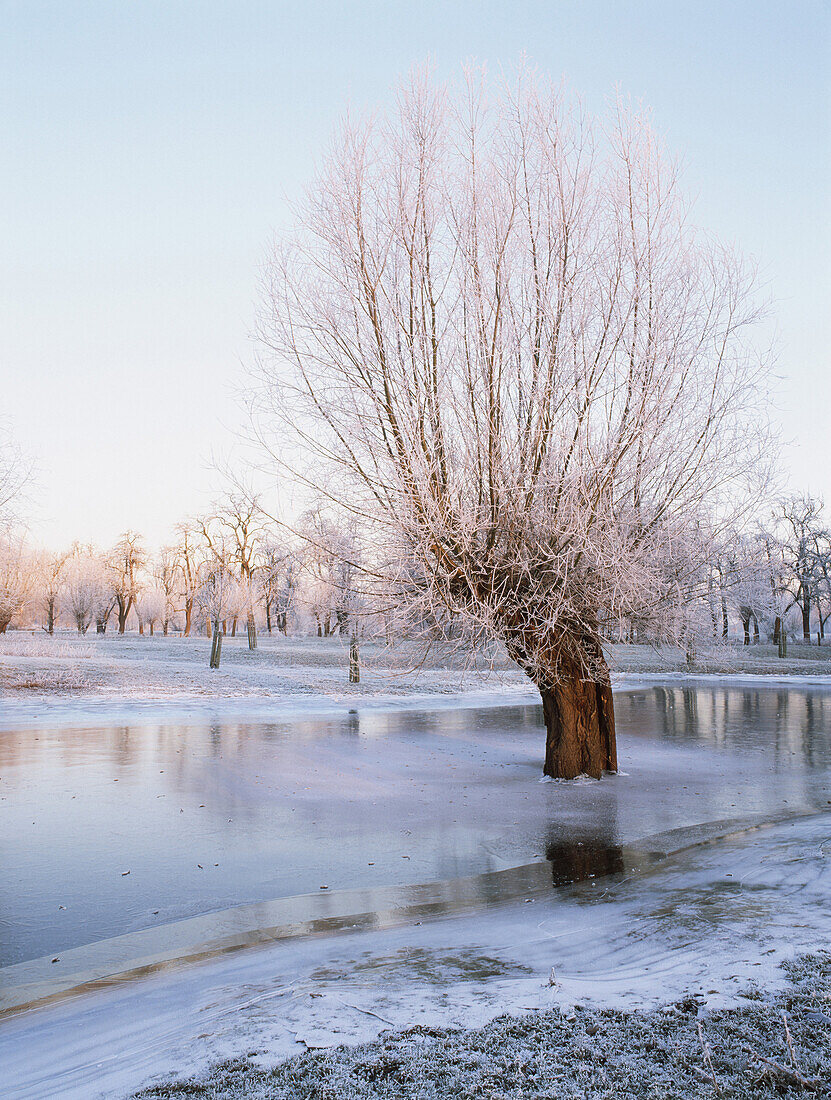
[580,729]
[806,615]
[216,645]
[354,661]
[578,709]
[745,615]
[125,605]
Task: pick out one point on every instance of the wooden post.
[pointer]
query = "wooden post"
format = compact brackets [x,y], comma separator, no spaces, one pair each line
[216,646]
[354,662]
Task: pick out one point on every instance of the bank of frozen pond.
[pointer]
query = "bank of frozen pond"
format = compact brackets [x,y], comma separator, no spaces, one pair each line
[624,902]
[766,1047]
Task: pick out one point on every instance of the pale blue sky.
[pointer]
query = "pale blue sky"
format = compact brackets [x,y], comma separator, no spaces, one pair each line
[149,147]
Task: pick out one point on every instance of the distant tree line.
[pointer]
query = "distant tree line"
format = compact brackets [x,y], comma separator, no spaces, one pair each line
[232,566]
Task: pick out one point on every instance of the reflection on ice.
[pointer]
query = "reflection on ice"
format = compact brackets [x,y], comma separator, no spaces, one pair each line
[579,861]
[208,817]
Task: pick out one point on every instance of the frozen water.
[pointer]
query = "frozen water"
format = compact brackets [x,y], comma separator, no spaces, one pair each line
[707,921]
[112,829]
[285,807]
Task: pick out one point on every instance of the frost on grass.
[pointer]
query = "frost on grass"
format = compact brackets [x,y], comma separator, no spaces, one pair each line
[676,1051]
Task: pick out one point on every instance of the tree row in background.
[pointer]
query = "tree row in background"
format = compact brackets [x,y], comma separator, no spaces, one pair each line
[230,567]
[238,568]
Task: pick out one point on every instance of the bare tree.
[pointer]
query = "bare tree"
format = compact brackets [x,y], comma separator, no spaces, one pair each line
[801,518]
[497,343]
[279,572]
[16,560]
[822,575]
[189,557]
[752,593]
[15,472]
[330,562]
[151,606]
[125,562]
[216,597]
[776,572]
[50,581]
[166,571]
[86,589]
[239,523]
[17,573]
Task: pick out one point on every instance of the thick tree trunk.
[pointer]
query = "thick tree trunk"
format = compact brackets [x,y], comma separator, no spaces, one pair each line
[580,729]
[577,705]
[189,617]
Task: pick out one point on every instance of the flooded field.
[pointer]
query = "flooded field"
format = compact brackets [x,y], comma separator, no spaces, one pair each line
[109,830]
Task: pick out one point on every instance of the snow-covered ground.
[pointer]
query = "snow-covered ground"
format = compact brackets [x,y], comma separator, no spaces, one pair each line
[70,675]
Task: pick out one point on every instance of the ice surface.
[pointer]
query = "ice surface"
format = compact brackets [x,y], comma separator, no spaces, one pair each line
[112,829]
[339,799]
[707,921]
